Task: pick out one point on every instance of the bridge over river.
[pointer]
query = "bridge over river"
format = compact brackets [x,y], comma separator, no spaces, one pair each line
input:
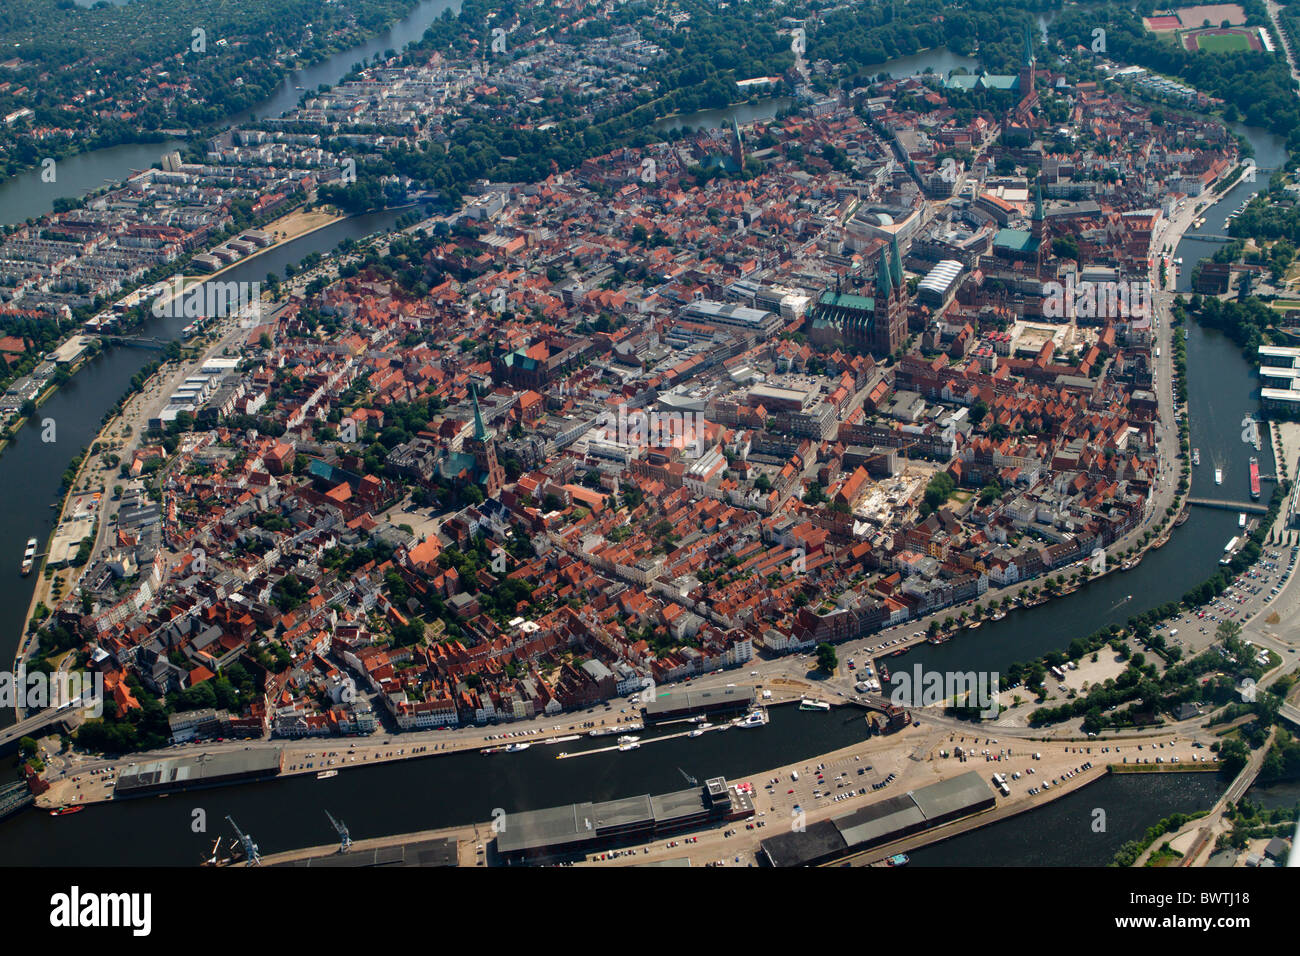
[1250,507]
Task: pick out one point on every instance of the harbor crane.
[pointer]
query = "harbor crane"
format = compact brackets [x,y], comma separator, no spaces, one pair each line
[251,856]
[345,840]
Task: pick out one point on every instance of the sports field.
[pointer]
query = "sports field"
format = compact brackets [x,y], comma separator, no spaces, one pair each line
[1218,40]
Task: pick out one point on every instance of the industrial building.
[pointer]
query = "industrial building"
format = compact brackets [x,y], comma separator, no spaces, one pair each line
[880,823]
[205,770]
[580,827]
[440,851]
[687,703]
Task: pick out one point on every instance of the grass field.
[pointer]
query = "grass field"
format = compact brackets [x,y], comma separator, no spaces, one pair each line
[1219,40]
[1223,43]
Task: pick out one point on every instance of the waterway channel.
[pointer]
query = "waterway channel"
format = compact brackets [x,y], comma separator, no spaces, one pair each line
[27,195]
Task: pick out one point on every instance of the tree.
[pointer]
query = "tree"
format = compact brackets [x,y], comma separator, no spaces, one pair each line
[1233,755]
[826,658]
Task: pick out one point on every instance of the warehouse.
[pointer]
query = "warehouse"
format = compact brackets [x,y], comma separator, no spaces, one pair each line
[580,827]
[205,770]
[685,703]
[440,851]
[882,822]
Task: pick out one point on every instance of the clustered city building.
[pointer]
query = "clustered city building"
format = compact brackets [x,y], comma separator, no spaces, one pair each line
[821,348]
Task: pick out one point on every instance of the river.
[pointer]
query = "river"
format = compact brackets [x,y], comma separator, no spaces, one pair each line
[1070,832]
[437,792]
[27,196]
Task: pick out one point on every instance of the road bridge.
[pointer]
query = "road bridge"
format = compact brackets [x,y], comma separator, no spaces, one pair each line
[1251,507]
[38,722]
[134,341]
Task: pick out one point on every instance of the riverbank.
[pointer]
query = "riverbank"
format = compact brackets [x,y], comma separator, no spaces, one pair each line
[95,476]
[913,758]
[295,224]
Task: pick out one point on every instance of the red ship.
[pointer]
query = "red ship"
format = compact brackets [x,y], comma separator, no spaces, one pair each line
[1254,478]
[64,811]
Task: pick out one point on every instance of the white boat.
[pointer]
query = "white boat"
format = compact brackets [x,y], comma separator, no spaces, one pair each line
[1218,476]
[695,733]
[807,704]
[29,557]
[515,748]
[757,718]
[1241,520]
[1196,456]
[629,743]
[326,774]
[706,726]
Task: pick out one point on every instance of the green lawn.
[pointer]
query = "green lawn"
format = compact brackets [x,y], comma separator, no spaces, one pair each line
[1223,43]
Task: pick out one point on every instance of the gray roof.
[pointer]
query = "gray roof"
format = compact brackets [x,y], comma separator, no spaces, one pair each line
[886,818]
[965,792]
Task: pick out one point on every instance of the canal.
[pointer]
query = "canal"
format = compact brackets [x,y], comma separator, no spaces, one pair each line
[444,791]
[1070,831]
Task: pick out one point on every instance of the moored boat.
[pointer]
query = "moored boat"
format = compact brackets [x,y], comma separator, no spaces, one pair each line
[65,811]
[29,557]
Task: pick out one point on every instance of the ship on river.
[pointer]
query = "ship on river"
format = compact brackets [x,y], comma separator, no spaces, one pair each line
[1254,478]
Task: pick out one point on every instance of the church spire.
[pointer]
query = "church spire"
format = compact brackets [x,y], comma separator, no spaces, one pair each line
[884,286]
[480,433]
[1038,199]
[895,262]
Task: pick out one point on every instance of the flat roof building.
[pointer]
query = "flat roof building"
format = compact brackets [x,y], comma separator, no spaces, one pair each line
[733,316]
[882,822]
[578,827]
[684,703]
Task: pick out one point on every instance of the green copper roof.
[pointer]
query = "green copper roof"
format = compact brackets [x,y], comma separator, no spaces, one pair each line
[1017,240]
[480,433]
[846,300]
[884,285]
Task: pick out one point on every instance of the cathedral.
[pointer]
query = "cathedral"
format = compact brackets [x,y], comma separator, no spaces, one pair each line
[875,323]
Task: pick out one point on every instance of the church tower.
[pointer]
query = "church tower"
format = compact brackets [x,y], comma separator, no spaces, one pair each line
[1027,71]
[889,319]
[1039,229]
[738,147]
[484,449]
